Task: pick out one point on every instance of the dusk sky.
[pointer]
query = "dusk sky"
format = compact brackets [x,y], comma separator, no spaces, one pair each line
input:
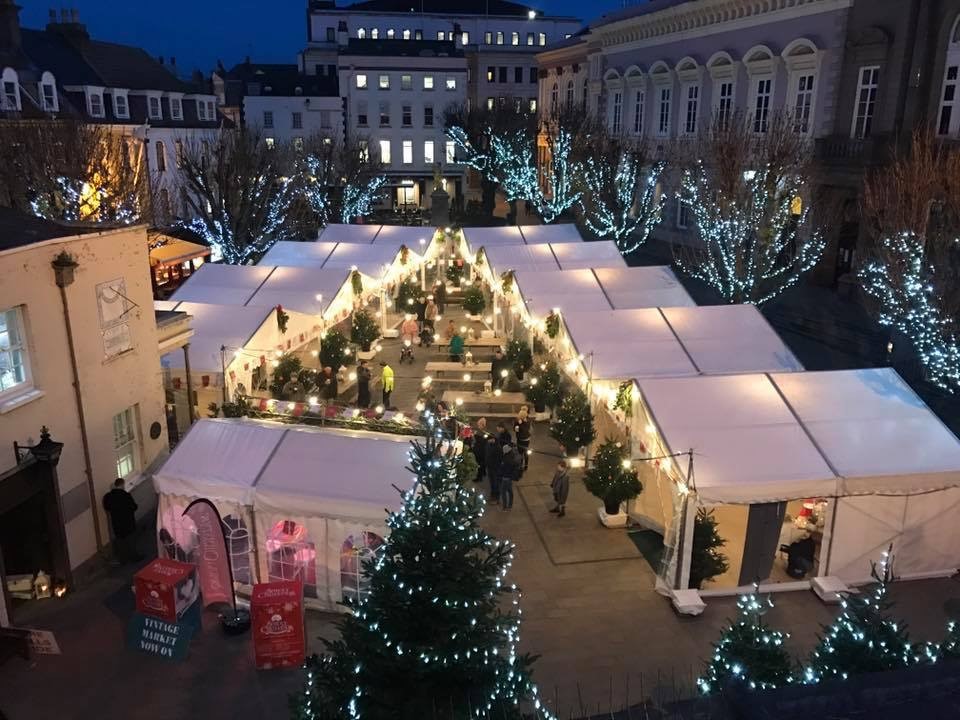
[199,32]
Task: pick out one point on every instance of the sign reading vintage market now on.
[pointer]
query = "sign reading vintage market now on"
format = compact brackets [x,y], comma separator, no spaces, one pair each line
[276,613]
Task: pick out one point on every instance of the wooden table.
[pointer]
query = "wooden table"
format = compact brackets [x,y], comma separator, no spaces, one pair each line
[489,342]
[440,367]
[479,403]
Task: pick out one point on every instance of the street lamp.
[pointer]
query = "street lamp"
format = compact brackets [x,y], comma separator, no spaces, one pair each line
[45,451]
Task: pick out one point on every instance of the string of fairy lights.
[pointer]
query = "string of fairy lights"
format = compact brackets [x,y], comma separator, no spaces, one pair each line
[616,210]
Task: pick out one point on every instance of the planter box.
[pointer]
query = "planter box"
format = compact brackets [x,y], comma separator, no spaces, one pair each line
[391,333]
[612,521]
[474,318]
[361,355]
[687,602]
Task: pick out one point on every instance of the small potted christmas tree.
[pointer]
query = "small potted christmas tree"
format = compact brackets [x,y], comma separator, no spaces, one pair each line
[474,302]
[544,390]
[520,356]
[334,350]
[706,560]
[573,428]
[612,479]
[363,331]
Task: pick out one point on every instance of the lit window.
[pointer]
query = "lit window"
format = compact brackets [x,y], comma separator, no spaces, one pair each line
[375,34]
[796,205]
[866,100]
[533,105]
[385,152]
[488,38]
[384,82]
[464,38]
[514,38]
[176,108]
[14,364]
[491,74]
[542,39]
[120,108]
[428,152]
[269,142]
[361,82]
[499,37]
[407,152]
[361,33]
[451,83]
[125,449]
[268,119]
[406,82]
[428,82]
[441,35]
[96,104]
[390,34]
[489,103]
[153,105]
[761,105]
[530,38]
[406,34]
[450,151]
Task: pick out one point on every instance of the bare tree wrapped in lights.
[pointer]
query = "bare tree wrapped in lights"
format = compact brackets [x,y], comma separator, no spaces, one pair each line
[432,637]
[568,136]
[240,193]
[749,654]
[621,198]
[747,195]
[72,172]
[340,180]
[912,208]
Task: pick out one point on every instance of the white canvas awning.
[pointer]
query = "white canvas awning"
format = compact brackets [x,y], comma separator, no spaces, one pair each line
[304,289]
[640,287]
[600,254]
[214,326]
[298,254]
[560,233]
[487,237]
[730,339]
[361,234]
[223,284]
[372,260]
[542,291]
[397,235]
[520,257]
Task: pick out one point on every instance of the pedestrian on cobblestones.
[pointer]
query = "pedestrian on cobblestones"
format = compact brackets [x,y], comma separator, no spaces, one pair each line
[523,428]
[494,456]
[509,472]
[480,448]
[561,488]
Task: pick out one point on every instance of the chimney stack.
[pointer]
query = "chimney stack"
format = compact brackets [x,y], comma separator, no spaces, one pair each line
[9,25]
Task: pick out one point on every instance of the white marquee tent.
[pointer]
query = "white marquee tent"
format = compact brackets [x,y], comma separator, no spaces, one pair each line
[487,237]
[295,501]
[287,253]
[542,291]
[224,284]
[638,287]
[560,233]
[601,254]
[887,469]
[360,234]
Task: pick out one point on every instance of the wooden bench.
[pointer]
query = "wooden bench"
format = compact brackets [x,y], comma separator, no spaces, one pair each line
[440,367]
[481,404]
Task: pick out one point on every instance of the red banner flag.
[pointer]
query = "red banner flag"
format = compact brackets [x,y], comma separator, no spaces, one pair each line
[216,575]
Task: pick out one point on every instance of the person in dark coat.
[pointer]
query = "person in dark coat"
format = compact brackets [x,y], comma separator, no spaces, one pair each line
[503,435]
[560,485]
[509,473]
[122,509]
[363,385]
[440,296]
[480,448]
[497,366]
[328,383]
[493,457]
[523,428]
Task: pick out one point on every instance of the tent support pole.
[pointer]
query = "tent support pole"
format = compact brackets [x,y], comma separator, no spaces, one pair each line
[825,570]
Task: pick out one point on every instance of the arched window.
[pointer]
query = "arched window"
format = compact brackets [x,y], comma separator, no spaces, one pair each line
[11,89]
[554,93]
[292,556]
[177,534]
[948,120]
[569,93]
[761,68]
[48,93]
[361,33]
[238,546]
[357,549]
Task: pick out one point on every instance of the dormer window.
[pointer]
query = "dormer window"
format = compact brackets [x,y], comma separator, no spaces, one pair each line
[121,108]
[176,108]
[201,110]
[11,89]
[48,93]
[95,102]
[153,108]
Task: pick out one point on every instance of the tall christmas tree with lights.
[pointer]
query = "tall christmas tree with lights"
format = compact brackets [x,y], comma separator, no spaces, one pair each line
[864,638]
[573,427]
[749,654]
[436,635]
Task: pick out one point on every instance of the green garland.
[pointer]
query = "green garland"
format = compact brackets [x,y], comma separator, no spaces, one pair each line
[507,281]
[282,319]
[553,325]
[624,401]
[356,282]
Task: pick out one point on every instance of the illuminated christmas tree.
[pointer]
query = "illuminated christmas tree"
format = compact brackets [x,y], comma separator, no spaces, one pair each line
[433,637]
[573,427]
[621,201]
[864,638]
[562,177]
[749,654]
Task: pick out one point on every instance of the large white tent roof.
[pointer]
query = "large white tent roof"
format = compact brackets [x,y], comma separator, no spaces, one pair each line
[215,325]
[561,233]
[765,438]
[370,260]
[397,235]
[286,253]
[487,237]
[600,254]
[362,234]
[298,288]
[637,287]
[226,284]
[520,257]
[542,291]
[730,339]
[296,469]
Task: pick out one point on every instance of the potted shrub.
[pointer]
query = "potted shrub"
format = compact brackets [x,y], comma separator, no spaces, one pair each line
[407,293]
[334,350]
[467,467]
[611,479]
[706,560]
[363,330]
[474,302]
[544,390]
[519,356]
[573,427]
[455,272]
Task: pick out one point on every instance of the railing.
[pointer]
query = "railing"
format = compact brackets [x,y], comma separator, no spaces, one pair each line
[839,149]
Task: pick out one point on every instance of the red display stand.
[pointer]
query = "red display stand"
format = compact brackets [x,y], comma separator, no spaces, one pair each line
[166,589]
[276,611]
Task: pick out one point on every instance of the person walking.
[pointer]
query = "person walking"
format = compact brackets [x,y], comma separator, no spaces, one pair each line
[456,347]
[493,457]
[430,316]
[497,366]
[386,379]
[122,509]
[509,471]
[480,448]
[561,488]
[328,384]
[363,384]
[503,435]
[440,296]
[523,429]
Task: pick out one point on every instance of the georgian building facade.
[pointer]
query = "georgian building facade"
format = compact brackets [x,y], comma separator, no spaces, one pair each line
[663,71]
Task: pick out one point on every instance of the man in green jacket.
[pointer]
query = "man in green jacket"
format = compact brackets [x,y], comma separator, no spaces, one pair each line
[456,347]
